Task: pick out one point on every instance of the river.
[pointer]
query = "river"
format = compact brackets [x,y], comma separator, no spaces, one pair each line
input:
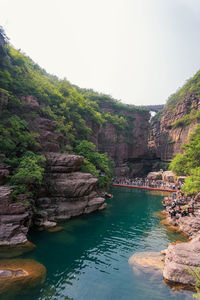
[88,259]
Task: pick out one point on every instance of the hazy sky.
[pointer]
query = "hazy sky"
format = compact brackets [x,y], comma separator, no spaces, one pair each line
[139,51]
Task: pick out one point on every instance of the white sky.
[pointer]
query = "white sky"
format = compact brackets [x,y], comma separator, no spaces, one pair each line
[139,51]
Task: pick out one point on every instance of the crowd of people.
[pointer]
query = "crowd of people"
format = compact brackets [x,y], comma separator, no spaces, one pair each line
[179,205]
[145,182]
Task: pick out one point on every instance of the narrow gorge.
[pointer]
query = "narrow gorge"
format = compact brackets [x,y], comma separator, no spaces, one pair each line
[60,148]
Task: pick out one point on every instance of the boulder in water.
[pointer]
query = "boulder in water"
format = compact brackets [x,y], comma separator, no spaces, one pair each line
[18,276]
[180,258]
[147,261]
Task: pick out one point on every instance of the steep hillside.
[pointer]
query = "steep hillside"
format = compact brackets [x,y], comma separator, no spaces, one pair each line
[41,113]
[172,127]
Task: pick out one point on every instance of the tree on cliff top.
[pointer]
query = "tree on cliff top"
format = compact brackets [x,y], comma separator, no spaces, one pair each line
[192,86]
[188,163]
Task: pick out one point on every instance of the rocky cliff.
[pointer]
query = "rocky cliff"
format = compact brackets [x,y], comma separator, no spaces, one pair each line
[125,147]
[65,193]
[15,219]
[172,128]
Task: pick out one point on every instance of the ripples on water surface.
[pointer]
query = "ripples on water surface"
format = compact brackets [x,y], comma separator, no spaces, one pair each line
[88,260]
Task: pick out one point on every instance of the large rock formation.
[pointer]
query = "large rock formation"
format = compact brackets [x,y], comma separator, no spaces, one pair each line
[180,259]
[166,139]
[15,219]
[125,147]
[66,191]
[176,262]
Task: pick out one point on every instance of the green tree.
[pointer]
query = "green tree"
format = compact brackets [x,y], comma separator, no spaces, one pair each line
[192,182]
[29,174]
[188,163]
[98,164]
[196,274]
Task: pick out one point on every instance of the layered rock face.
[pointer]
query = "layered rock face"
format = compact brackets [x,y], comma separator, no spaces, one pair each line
[66,192]
[165,140]
[128,147]
[15,219]
[124,147]
[181,258]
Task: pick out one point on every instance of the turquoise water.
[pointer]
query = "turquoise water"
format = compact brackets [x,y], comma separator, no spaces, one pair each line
[88,260]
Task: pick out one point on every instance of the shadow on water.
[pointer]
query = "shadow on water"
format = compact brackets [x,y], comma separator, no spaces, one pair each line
[88,259]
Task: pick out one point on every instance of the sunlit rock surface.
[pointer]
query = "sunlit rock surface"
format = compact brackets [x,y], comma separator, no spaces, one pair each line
[179,259]
[15,219]
[67,192]
[147,261]
[18,276]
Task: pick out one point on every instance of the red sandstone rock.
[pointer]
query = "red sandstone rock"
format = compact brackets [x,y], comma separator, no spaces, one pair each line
[165,140]
[30,103]
[168,176]
[154,176]
[179,258]
[69,193]
[14,219]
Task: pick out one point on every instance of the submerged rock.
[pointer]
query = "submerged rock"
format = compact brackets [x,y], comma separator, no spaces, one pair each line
[147,261]
[17,250]
[18,276]
[55,229]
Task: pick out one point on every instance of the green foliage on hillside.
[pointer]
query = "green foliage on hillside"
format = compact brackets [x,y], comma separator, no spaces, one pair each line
[188,163]
[103,99]
[95,163]
[196,275]
[187,119]
[192,183]
[29,174]
[73,109]
[192,86]
[15,137]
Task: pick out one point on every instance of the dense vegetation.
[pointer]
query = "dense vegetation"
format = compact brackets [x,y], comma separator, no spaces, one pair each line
[192,86]
[95,163]
[188,163]
[187,119]
[68,105]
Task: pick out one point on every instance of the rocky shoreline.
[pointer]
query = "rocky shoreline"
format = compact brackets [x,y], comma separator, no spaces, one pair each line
[179,258]
[66,192]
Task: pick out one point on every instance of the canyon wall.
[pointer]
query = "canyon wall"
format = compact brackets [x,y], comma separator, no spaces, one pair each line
[124,147]
[127,149]
[166,135]
[66,191]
